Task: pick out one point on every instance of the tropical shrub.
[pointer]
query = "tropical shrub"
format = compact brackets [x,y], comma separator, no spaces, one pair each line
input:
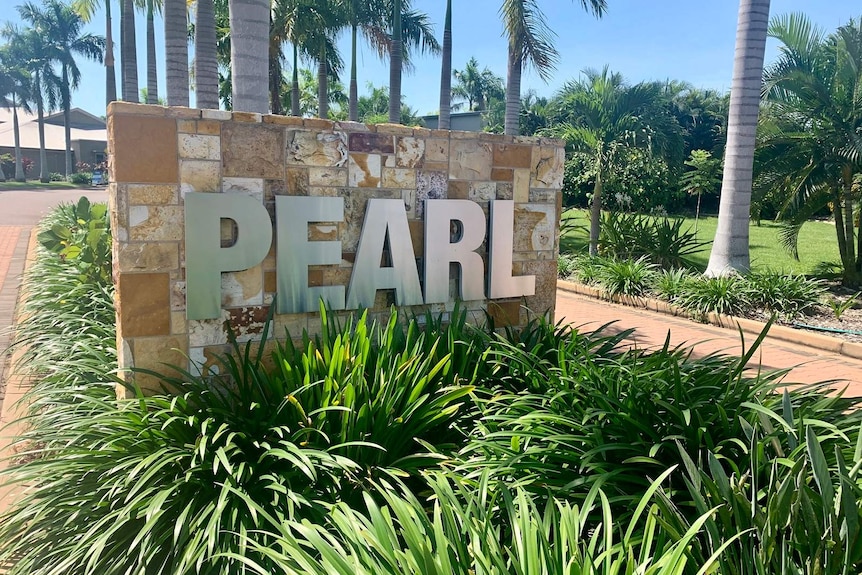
[725,295]
[784,294]
[566,266]
[83,237]
[82,178]
[630,236]
[624,277]
[670,284]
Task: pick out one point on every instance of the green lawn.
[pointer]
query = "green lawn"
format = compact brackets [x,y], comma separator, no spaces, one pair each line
[817,243]
[37,185]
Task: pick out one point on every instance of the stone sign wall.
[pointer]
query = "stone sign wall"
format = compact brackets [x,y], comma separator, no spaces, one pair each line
[158,155]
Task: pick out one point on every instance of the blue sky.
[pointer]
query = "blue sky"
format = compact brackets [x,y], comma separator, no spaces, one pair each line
[689,40]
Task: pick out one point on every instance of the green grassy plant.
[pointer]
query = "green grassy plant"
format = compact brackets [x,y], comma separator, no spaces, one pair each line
[784,294]
[670,284]
[625,277]
[838,307]
[725,295]
[666,243]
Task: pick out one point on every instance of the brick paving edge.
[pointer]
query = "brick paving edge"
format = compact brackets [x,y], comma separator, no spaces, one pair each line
[779,332]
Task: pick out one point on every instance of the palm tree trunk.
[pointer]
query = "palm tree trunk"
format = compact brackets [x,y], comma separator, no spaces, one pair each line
[730,250]
[176,52]
[206,62]
[841,234]
[20,176]
[395,66]
[274,78]
[110,73]
[67,118]
[353,104]
[130,56]
[596,210]
[849,222]
[443,122]
[152,78]
[40,115]
[513,93]
[249,25]
[294,84]
[322,85]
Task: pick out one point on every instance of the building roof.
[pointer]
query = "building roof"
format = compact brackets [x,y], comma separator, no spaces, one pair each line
[84,126]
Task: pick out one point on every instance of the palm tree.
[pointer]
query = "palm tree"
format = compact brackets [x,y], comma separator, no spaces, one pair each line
[249,25]
[530,42]
[61,26]
[395,56]
[86,8]
[443,121]
[477,87]
[128,51]
[34,54]
[601,115]
[151,7]
[206,61]
[410,29]
[730,248]
[13,93]
[703,178]
[809,153]
[177,52]
[367,16]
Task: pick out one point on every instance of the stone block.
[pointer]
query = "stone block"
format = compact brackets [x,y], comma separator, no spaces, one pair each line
[247,322]
[184,113]
[297,182]
[147,257]
[409,153]
[179,323]
[417,236]
[246,186]
[187,126]
[521,184]
[543,196]
[409,197]
[437,150]
[247,117]
[199,176]
[399,178]
[548,165]
[505,191]
[155,223]
[512,155]
[364,170]
[198,147]
[293,121]
[435,166]
[327,176]
[144,149]
[372,143]
[394,129]
[470,160]
[318,124]
[504,313]
[272,188]
[209,127]
[222,115]
[322,232]
[204,332]
[143,305]
[534,227]
[152,194]
[429,186]
[502,174]
[290,325]
[483,191]
[316,148]
[252,150]
[159,354]
[178,295]
[118,107]
[458,190]
[243,288]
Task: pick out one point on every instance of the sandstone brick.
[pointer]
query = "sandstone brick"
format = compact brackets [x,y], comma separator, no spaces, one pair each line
[470,160]
[534,227]
[143,304]
[505,191]
[252,150]
[316,148]
[221,115]
[482,191]
[205,332]
[548,165]
[435,166]
[269,282]
[246,186]
[372,143]
[197,147]
[399,178]
[246,117]
[458,190]
[512,156]
[322,232]
[144,149]
[243,288]
[504,313]
[187,127]
[417,236]
[297,182]
[327,176]
[364,170]
[184,113]
[409,153]
[152,194]
[293,121]
[209,127]
[521,186]
[179,323]
[394,129]
[247,322]
[147,257]
[158,354]
[429,186]
[318,124]
[502,174]
[155,223]
[118,107]
[199,176]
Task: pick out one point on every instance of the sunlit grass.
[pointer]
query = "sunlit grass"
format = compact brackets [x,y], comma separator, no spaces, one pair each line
[817,243]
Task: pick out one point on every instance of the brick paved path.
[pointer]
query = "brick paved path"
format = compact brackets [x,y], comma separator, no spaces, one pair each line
[651,328]
[13,250]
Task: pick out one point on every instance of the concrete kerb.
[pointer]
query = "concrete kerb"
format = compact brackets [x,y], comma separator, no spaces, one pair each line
[779,332]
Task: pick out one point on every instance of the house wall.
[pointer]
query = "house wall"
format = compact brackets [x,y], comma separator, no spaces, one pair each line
[159,155]
[56,160]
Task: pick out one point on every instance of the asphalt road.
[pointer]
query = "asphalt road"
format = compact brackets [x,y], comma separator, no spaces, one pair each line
[27,207]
